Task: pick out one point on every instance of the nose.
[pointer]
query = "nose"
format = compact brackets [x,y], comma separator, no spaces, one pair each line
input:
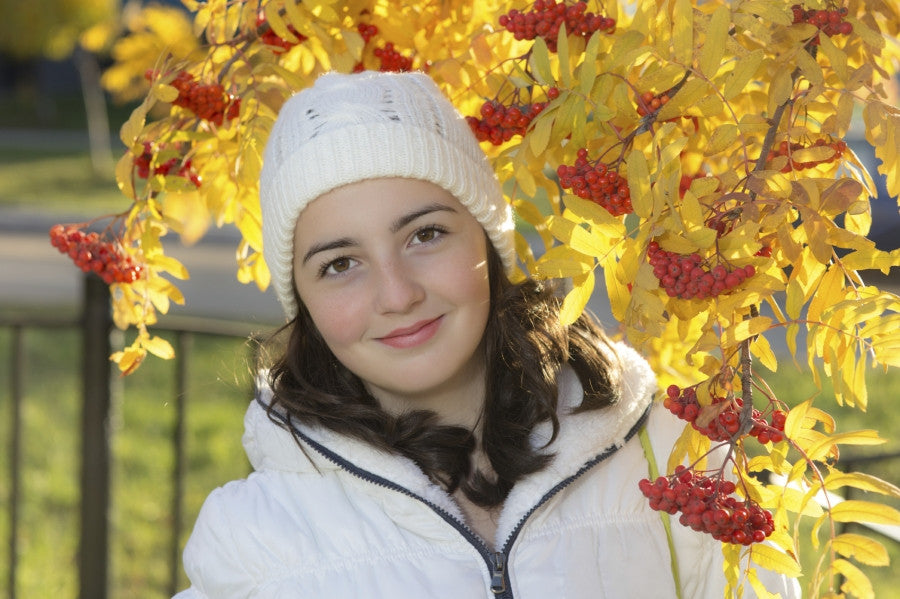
[398,288]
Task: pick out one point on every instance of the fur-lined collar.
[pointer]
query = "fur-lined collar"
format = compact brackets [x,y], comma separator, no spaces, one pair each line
[582,439]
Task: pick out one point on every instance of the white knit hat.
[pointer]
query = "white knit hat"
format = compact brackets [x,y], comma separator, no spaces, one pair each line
[348,128]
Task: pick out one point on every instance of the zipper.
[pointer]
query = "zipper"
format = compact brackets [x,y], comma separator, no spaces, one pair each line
[498,573]
[495,561]
[507,546]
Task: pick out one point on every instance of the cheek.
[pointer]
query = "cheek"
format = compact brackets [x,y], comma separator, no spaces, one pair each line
[340,318]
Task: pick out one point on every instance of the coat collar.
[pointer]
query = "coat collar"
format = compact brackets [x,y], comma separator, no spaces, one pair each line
[583,438]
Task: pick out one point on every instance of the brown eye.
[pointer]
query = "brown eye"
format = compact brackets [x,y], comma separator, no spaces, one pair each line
[336,267]
[428,234]
[425,235]
[340,265]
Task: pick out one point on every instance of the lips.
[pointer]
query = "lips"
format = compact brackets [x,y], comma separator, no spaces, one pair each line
[414,335]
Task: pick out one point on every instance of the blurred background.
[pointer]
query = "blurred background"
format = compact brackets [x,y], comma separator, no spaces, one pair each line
[102,476]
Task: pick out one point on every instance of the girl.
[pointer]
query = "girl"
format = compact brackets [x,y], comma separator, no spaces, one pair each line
[430,430]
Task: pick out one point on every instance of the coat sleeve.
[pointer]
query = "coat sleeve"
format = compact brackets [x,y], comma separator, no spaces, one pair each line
[699,556]
[218,564]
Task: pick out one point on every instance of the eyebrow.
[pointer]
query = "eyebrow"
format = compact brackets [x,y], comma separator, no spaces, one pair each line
[408,218]
[345,242]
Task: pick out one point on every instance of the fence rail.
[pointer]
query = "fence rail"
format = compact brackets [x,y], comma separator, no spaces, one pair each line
[95,324]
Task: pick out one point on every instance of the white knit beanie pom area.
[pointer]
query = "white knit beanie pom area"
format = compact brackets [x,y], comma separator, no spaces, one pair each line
[349,128]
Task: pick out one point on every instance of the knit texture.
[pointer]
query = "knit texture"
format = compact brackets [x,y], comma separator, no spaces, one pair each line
[349,128]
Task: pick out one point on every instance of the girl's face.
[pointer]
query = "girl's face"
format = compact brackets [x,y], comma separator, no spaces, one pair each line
[394,275]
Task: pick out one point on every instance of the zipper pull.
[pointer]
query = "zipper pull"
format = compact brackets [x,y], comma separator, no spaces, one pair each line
[498,573]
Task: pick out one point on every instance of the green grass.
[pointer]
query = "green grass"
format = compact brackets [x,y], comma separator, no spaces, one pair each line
[141,432]
[218,391]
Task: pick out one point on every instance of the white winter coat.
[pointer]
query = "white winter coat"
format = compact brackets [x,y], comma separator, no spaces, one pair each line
[332,518]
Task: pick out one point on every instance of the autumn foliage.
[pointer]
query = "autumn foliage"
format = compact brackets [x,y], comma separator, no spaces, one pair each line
[691,156]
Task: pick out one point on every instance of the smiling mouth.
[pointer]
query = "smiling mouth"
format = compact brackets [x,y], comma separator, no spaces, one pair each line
[413,335]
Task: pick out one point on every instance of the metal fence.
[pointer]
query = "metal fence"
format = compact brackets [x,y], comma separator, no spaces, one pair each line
[95,324]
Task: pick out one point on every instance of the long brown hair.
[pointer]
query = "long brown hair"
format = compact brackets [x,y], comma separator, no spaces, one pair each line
[524,348]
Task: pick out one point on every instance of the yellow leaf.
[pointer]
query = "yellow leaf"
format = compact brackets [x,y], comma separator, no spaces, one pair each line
[744,70]
[829,288]
[871,258]
[861,437]
[713,48]
[811,69]
[865,550]
[525,180]
[599,218]
[276,22]
[760,348]
[853,510]
[97,37]
[780,88]
[759,588]
[539,136]
[133,126]
[692,92]
[681,449]
[795,419]
[540,62]
[261,273]
[562,51]
[683,32]
[723,136]
[769,11]
[562,262]
[861,480]
[587,72]
[129,359]
[124,180]
[745,329]
[794,299]
[796,501]
[294,15]
[836,57]
[575,301]
[159,347]
[869,37]
[169,265]
[855,582]
[639,184]
[772,559]
[578,238]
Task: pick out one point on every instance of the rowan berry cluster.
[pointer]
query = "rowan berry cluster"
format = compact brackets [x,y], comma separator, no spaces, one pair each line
[707,505]
[499,122]
[787,149]
[546,18]
[91,253]
[830,22]
[207,100]
[690,277]
[391,60]
[726,424]
[181,168]
[594,181]
[367,31]
[650,102]
[388,56]
[270,38]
